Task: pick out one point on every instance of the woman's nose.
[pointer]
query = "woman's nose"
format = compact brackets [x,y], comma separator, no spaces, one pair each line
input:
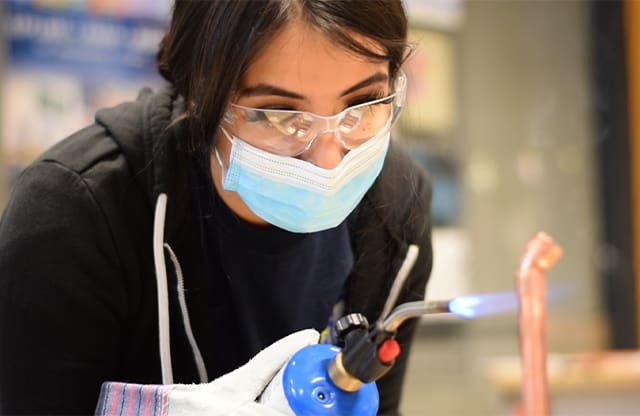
[325,152]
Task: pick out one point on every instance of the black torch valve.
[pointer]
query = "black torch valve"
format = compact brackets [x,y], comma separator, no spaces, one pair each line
[367,353]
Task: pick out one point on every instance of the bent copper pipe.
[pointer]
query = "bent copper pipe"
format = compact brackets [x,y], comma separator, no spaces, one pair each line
[540,254]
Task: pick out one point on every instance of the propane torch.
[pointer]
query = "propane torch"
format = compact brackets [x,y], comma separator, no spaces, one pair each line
[339,379]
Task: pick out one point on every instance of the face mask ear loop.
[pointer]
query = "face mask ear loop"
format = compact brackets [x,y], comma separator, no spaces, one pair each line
[215,151]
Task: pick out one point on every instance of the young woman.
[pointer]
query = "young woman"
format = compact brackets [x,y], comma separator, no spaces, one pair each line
[184,232]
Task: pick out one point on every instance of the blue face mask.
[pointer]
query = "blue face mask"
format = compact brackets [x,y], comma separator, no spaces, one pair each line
[299,196]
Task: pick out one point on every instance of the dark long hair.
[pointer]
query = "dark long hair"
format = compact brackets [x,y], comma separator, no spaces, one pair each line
[211,43]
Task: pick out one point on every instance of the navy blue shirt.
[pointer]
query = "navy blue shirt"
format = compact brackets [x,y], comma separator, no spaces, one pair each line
[265,282]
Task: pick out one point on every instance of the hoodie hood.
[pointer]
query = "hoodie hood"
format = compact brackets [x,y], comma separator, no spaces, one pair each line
[152,144]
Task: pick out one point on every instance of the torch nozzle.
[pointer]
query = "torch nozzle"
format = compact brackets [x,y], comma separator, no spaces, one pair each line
[413,310]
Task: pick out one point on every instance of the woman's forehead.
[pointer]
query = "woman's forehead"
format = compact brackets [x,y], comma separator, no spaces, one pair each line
[300,58]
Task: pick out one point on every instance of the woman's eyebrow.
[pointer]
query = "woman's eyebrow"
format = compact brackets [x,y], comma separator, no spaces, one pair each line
[266,89]
[373,79]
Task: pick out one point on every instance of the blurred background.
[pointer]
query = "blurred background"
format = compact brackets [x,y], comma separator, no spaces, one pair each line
[524,112]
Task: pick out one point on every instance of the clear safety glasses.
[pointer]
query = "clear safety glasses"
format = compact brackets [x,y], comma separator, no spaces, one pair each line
[290,132]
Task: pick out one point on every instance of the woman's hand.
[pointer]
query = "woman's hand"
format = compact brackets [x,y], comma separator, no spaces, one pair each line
[235,393]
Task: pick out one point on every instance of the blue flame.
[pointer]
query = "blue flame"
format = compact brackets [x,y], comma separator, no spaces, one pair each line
[473,306]
[464,305]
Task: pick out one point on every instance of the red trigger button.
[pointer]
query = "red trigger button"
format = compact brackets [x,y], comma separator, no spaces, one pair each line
[388,351]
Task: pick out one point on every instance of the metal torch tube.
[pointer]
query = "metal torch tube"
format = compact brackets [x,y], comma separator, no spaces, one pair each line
[413,310]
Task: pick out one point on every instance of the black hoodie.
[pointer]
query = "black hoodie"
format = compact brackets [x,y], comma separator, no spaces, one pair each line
[78,291]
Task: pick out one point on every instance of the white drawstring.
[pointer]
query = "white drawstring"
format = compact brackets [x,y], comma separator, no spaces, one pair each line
[398,282]
[202,370]
[163,292]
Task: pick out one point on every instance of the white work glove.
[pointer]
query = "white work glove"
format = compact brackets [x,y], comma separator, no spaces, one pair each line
[235,393]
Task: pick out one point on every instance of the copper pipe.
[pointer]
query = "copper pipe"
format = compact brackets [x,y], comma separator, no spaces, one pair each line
[539,255]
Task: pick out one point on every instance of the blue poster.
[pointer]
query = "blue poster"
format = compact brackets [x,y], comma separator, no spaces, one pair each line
[66,59]
[85,44]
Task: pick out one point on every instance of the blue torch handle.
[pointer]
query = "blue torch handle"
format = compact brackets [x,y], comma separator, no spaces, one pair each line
[310,391]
